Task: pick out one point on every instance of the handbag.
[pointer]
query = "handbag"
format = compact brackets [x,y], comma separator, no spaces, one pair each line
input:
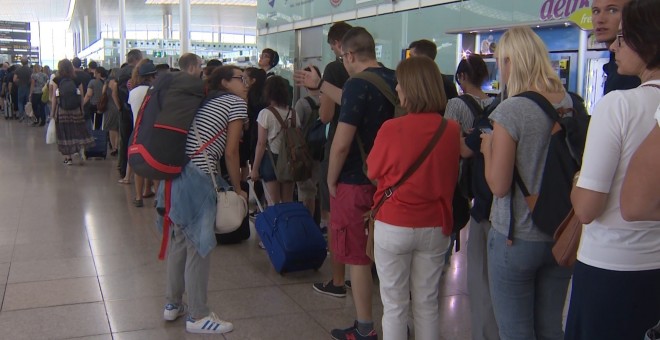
[390,191]
[28,110]
[567,240]
[45,93]
[231,207]
[103,103]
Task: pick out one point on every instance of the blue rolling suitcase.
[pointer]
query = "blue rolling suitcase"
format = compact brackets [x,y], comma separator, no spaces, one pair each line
[291,237]
[100,148]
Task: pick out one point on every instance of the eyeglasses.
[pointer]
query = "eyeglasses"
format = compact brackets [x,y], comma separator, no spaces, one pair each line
[619,39]
[243,79]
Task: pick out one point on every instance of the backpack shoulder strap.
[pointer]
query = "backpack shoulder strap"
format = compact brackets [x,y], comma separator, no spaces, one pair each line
[273,110]
[379,83]
[472,104]
[543,103]
[311,102]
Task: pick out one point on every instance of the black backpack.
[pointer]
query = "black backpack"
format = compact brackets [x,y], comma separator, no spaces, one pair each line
[157,147]
[564,158]
[314,132]
[69,98]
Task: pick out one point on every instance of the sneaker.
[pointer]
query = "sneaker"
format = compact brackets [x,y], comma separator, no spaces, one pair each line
[173,312]
[208,325]
[328,288]
[347,284]
[261,245]
[352,334]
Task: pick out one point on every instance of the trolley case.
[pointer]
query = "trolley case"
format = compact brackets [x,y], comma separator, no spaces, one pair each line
[292,239]
[100,148]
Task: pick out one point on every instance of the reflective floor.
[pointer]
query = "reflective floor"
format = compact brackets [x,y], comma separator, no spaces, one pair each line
[77,260]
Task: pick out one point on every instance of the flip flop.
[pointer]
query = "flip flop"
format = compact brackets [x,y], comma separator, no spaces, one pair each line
[124,181]
[151,194]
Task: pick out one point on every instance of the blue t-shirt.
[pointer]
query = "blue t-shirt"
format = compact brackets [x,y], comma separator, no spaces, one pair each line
[364,107]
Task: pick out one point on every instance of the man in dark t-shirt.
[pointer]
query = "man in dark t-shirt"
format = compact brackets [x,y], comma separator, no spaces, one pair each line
[363,110]
[22,81]
[335,74]
[81,75]
[429,49]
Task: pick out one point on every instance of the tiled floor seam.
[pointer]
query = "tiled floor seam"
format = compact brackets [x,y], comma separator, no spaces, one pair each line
[98,281]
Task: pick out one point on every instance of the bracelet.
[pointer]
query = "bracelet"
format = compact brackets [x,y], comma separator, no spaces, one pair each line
[319,86]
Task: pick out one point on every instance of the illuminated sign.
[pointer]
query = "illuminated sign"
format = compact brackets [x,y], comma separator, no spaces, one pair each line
[560,9]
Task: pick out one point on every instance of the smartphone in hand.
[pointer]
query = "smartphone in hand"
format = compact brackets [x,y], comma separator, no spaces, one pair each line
[486,130]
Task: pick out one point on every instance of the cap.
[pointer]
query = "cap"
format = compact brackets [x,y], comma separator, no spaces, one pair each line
[147,68]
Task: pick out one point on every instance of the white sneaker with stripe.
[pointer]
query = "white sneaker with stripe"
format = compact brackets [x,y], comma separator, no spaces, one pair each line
[208,325]
[173,312]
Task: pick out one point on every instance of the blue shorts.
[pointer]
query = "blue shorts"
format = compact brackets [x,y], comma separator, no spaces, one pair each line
[266,169]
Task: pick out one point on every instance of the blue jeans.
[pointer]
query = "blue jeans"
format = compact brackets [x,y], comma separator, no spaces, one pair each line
[23,94]
[528,288]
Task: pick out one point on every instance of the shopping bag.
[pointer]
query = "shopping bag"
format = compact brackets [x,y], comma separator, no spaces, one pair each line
[51,136]
[28,110]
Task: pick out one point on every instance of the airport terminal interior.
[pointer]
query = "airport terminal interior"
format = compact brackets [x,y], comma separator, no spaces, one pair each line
[78,256]
[78,260]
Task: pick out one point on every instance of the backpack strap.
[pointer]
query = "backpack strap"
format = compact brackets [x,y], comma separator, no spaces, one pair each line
[380,84]
[418,162]
[552,113]
[472,104]
[312,103]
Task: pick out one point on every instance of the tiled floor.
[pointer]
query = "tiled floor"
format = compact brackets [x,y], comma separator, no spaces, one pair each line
[77,260]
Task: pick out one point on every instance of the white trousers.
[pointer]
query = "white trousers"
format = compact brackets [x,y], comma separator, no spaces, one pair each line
[409,263]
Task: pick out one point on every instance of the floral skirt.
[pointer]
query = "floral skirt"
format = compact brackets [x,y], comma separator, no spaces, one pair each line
[72,133]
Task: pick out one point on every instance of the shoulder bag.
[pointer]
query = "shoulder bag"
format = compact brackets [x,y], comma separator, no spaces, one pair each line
[232,208]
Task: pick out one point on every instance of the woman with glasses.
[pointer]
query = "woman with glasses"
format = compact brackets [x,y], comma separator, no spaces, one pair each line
[219,125]
[616,284]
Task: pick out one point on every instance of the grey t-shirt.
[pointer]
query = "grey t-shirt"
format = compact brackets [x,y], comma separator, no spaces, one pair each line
[97,88]
[459,111]
[304,110]
[530,128]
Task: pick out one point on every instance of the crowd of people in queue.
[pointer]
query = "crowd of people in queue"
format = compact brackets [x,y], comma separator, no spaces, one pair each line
[516,288]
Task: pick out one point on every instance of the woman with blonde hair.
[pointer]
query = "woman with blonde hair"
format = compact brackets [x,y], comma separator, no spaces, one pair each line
[528,287]
[413,225]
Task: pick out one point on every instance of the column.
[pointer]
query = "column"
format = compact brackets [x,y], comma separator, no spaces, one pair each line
[184,25]
[122,31]
[97,18]
[582,61]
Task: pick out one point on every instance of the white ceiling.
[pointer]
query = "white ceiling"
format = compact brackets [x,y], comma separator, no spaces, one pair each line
[228,19]
[34,10]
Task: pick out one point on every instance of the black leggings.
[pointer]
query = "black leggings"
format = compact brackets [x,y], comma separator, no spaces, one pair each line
[125,131]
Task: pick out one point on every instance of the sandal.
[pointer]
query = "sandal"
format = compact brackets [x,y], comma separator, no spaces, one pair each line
[149,194]
[124,181]
[138,203]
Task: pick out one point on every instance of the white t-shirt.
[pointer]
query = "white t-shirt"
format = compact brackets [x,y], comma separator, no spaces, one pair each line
[270,123]
[135,98]
[620,122]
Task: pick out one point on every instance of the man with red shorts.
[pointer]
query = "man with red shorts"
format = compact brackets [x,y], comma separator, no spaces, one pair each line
[363,110]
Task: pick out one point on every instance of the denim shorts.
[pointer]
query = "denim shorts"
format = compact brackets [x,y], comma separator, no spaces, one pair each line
[266,169]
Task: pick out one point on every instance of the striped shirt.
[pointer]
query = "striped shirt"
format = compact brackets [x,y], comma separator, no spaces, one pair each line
[211,121]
